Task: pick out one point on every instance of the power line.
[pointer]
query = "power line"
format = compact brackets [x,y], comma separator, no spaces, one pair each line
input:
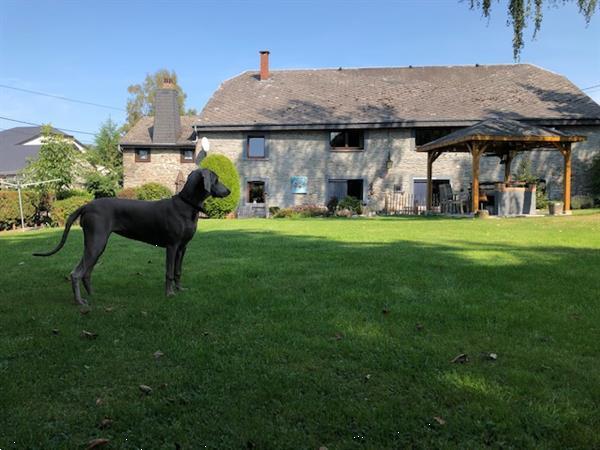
[38,125]
[83,102]
[25,133]
[591,87]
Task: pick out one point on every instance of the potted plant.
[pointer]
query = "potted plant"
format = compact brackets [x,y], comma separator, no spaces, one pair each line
[555,207]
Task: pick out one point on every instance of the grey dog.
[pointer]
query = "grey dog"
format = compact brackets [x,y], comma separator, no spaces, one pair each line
[169,223]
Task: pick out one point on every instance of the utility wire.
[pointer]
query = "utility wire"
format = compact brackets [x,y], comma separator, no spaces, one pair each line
[591,87]
[83,102]
[38,125]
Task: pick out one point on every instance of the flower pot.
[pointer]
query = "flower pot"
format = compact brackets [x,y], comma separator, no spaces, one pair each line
[555,208]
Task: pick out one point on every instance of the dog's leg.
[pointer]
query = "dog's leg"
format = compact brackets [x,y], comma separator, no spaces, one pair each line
[95,243]
[178,264]
[170,270]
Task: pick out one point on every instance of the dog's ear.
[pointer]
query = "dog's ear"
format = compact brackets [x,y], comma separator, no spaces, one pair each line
[207,176]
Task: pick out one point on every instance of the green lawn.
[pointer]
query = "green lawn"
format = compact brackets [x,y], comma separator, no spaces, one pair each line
[298,334]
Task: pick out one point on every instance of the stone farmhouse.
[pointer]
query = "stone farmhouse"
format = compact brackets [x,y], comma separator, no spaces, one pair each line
[304,136]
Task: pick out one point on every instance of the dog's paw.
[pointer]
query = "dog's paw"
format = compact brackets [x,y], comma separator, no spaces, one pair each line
[181,288]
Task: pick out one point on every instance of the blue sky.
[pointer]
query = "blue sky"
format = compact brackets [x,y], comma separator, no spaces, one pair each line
[92,50]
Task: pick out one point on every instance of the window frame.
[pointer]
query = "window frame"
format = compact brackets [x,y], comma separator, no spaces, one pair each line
[248,188]
[256,136]
[182,158]
[137,155]
[346,147]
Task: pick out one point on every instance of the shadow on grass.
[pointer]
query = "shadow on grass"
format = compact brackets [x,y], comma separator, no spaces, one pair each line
[289,341]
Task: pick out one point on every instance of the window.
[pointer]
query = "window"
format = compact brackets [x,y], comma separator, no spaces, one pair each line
[187,156]
[256,147]
[256,192]
[347,140]
[425,135]
[142,155]
[341,189]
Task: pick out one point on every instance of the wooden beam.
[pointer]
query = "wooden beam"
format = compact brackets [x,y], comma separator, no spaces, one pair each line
[567,178]
[509,157]
[431,157]
[476,155]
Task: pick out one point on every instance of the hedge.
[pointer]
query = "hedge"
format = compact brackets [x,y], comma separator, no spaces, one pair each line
[10,216]
[148,191]
[228,175]
[62,209]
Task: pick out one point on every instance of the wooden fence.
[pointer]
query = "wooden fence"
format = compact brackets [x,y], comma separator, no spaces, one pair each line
[402,203]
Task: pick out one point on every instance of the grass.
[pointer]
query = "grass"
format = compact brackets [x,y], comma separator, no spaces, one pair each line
[306,333]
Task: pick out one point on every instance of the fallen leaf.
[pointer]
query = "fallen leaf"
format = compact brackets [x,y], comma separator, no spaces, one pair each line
[109,309]
[88,335]
[439,420]
[105,423]
[99,401]
[367,377]
[419,327]
[163,385]
[158,354]
[461,359]
[323,448]
[95,443]
[492,356]
[55,331]
[144,313]
[86,367]
[145,389]
[21,263]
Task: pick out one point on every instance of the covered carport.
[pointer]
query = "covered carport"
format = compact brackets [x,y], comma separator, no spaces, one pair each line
[503,138]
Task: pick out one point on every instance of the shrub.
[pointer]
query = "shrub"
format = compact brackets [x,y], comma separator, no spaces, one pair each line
[62,209]
[153,191]
[101,185]
[344,212]
[10,215]
[71,193]
[351,203]
[130,193]
[332,204]
[541,199]
[228,175]
[582,202]
[273,210]
[301,211]
[594,174]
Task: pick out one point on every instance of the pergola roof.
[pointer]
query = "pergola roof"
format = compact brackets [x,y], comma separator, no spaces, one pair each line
[503,131]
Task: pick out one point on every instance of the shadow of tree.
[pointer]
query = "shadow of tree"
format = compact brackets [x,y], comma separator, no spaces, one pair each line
[302,340]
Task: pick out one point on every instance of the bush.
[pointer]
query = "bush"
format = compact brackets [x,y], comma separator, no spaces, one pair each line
[274,210]
[541,199]
[595,175]
[130,193]
[332,204]
[10,215]
[351,203]
[582,202]
[71,193]
[301,211]
[152,191]
[101,185]
[228,175]
[62,209]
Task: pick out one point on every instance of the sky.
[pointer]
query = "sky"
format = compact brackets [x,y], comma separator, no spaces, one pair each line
[93,50]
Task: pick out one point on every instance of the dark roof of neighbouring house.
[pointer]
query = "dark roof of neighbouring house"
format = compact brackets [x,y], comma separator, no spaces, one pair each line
[14,155]
[500,130]
[142,132]
[411,96]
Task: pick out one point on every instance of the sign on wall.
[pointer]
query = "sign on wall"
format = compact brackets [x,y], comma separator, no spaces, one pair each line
[299,185]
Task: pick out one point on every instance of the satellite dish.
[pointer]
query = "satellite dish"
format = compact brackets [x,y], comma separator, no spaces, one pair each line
[205,144]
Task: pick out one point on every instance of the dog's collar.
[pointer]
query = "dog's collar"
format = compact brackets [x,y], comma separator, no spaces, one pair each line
[185,200]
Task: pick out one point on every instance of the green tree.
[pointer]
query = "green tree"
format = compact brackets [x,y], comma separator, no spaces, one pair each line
[58,159]
[107,160]
[521,12]
[141,97]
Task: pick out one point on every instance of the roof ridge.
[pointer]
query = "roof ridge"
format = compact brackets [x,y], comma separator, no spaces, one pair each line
[451,66]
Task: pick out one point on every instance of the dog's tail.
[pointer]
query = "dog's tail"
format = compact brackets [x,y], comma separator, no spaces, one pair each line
[72,218]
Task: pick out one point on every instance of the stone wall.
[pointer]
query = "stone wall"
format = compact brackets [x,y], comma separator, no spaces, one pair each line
[307,153]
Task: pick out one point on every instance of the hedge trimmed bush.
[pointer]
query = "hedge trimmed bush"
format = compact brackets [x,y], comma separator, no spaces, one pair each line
[62,209]
[153,191]
[10,215]
[301,211]
[228,175]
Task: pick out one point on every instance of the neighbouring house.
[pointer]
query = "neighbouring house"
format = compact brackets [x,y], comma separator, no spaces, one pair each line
[19,144]
[305,136]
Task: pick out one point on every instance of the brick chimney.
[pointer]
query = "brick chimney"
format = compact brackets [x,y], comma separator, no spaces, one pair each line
[264,65]
[167,123]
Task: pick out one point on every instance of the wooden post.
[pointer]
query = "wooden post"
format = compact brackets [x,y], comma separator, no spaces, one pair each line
[507,164]
[567,178]
[431,157]
[476,154]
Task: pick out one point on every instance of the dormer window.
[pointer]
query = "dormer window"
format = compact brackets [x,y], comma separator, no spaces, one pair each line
[347,140]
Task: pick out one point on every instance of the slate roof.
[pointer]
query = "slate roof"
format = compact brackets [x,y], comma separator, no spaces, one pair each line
[14,155]
[417,96]
[500,130]
[142,132]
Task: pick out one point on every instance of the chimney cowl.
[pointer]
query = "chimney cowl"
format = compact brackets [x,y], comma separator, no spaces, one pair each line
[264,65]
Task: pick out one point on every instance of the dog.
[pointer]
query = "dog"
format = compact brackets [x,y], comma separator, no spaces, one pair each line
[169,223]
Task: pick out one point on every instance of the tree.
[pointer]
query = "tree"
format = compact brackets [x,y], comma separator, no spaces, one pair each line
[141,100]
[522,11]
[58,159]
[105,155]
